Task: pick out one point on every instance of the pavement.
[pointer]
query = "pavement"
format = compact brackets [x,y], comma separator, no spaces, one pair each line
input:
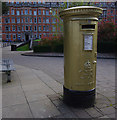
[34,94]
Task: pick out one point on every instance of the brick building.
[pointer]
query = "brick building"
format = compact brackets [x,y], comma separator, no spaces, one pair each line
[31,20]
[26,20]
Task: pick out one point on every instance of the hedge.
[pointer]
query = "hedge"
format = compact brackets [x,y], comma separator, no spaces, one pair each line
[106,47]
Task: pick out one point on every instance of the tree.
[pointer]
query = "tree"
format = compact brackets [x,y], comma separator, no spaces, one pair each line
[5,8]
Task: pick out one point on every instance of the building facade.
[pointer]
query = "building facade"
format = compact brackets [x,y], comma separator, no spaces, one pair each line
[31,20]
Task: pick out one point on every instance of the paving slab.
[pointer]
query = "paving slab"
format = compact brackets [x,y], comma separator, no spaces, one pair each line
[108,110]
[35,95]
[111,115]
[14,80]
[93,112]
[43,109]
[12,96]
[81,113]
[57,87]
[17,111]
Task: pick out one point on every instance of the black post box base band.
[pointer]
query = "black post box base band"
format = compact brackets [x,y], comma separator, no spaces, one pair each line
[79,98]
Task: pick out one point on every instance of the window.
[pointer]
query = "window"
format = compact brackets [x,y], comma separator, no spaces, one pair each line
[22,20]
[26,28]
[54,20]
[0,36]
[26,20]
[35,36]
[40,36]
[6,20]
[112,12]
[18,28]
[13,28]
[44,28]
[7,36]
[53,28]
[30,20]
[35,20]
[35,12]
[14,36]
[39,12]
[22,28]
[21,12]
[43,12]
[18,20]
[47,20]
[43,19]
[12,12]
[39,19]
[19,37]
[30,27]
[26,12]
[8,12]
[47,12]
[18,12]
[13,20]
[6,28]
[35,28]
[104,13]
[39,28]
[30,12]
[47,28]
[53,12]
[9,28]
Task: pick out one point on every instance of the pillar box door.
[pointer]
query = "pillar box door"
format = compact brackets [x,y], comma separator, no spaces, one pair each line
[80,54]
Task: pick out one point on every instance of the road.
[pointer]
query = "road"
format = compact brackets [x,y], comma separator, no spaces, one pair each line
[54,66]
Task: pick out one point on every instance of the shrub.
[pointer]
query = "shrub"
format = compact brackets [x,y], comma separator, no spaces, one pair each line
[106,37]
[44,48]
[55,44]
[106,47]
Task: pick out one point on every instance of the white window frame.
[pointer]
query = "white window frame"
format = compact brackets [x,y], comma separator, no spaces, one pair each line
[13,20]
[35,12]
[30,12]
[40,28]
[13,36]
[13,28]
[35,27]
[18,12]
[39,19]
[18,20]
[26,27]
[21,12]
[26,11]
[12,12]
[43,12]
[39,12]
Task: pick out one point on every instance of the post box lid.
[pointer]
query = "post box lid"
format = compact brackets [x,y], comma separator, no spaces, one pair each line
[81,11]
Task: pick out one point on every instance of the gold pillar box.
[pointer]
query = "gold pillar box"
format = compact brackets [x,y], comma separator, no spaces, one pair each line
[80,54]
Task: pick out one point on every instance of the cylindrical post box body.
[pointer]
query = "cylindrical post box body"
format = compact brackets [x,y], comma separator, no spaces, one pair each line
[80,54]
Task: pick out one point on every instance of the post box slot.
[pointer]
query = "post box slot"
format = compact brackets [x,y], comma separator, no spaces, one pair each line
[88,26]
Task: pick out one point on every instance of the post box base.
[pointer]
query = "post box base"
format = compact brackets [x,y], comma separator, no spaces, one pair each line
[79,98]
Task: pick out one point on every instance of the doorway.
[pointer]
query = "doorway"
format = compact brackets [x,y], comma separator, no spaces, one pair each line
[27,37]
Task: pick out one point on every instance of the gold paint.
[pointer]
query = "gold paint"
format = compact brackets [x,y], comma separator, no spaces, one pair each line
[79,70]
